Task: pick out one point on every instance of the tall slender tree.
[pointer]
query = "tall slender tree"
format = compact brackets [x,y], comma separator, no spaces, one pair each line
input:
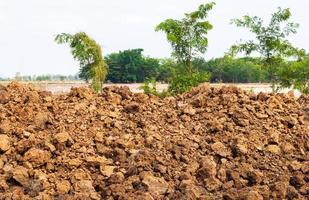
[271,43]
[89,54]
[188,36]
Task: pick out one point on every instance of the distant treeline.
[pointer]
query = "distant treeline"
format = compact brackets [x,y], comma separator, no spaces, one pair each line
[3,79]
[131,66]
[278,61]
[43,77]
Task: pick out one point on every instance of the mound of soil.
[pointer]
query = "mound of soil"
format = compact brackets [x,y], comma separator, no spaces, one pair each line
[210,143]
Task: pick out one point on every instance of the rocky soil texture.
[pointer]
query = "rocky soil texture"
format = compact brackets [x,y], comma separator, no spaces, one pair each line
[211,143]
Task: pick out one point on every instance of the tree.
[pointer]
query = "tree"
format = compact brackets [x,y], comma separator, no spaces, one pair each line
[188,35]
[188,38]
[131,66]
[295,74]
[43,78]
[165,70]
[271,43]
[233,70]
[89,54]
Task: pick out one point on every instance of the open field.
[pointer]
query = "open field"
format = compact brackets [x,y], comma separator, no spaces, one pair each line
[58,87]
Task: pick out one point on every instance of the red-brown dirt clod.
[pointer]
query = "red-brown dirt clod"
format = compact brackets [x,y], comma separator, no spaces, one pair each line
[210,143]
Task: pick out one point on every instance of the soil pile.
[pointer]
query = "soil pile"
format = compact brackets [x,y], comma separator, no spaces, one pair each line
[210,143]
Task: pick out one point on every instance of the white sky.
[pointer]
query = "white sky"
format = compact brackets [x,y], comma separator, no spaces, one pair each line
[27,28]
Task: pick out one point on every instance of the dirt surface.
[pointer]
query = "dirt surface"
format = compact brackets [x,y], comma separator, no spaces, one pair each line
[211,143]
[61,87]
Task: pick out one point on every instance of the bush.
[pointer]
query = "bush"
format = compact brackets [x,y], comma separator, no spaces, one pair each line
[183,82]
[179,83]
[296,75]
[150,87]
[230,70]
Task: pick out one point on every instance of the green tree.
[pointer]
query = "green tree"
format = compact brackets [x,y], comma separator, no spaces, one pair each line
[296,75]
[188,36]
[271,42]
[233,70]
[165,70]
[89,54]
[131,66]
[43,78]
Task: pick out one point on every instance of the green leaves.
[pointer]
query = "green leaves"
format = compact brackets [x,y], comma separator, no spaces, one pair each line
[233,70]
[182,82]
[280,16]
[89,54]
[188,38]
[271,42]
[295,74]
[131,66]
[202,11]
[188,35]
[63,38]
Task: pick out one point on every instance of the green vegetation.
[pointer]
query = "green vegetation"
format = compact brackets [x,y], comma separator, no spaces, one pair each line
[296,75]
[271,42]
[188,38]
[278,62]
[43,78]
[130,66]
[300,75]
[89,54]
[188,35]
[182,82]
[233,70]
[150,87]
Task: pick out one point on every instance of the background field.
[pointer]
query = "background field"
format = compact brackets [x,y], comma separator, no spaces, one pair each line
[58,87]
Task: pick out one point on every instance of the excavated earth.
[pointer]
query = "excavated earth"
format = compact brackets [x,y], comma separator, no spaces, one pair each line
[210,143]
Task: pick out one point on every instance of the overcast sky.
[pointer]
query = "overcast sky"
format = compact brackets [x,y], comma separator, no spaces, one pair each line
[27,28]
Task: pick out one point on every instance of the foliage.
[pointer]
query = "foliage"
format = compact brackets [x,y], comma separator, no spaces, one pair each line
[295,74]
[49,77]
[181,82]
[188,35]
[165,69]
[4,79]
[300,74]
[231,70]
[89,54]
[188,40]
[271,42]
[131,66]
[43,78]
[150,87]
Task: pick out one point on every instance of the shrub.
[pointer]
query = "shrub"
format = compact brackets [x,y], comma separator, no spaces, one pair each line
[150,87]
[295,74]
[182,82]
